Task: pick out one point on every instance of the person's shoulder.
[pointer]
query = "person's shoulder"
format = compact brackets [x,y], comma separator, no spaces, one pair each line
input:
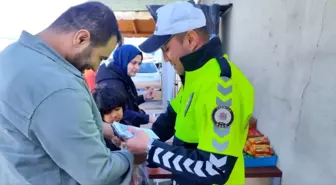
[25,70]
[110,78]
[50,73]
[29,77]
[107,73]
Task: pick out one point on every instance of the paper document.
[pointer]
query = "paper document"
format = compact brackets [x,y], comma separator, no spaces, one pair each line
[121,131]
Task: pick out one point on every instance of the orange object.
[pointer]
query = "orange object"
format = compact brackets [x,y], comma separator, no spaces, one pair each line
[253,133]
[262,140]
[258,150]
[90,78]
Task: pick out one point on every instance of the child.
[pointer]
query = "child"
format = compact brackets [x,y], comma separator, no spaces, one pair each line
[111,105]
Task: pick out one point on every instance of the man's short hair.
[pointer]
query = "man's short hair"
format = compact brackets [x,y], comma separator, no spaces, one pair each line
[202,32]
[107,99]
[95,17]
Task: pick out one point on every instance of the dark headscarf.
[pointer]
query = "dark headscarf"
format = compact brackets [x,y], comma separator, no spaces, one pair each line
[123,56]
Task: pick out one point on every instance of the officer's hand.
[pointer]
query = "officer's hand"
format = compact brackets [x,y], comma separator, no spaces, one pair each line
[138,144]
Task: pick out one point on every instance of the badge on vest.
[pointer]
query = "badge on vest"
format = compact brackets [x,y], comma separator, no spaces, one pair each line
[222,116]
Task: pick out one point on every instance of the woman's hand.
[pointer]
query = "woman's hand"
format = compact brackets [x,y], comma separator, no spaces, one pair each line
[152,118]
[149,95]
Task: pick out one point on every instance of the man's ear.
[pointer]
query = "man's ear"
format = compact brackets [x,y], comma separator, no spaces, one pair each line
[192,39]
[81,39]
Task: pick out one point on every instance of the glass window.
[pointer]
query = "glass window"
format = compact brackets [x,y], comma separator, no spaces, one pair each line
[147,68]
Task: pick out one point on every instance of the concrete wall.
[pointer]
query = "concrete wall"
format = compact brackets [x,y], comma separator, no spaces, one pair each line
[287,48]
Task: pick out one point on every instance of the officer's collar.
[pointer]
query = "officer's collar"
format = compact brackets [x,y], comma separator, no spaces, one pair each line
[197,59]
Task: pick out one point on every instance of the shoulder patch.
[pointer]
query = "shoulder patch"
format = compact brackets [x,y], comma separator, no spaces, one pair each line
[222,116]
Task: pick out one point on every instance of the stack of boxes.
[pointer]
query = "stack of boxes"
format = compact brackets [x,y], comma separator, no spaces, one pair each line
[258,151]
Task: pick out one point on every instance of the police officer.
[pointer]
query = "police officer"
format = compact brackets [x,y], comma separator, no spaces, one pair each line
[209,115]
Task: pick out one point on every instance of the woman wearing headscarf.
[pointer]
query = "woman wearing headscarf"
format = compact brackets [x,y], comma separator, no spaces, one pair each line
[117,74]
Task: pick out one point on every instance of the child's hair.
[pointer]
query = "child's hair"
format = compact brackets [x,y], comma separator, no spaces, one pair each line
[107,99]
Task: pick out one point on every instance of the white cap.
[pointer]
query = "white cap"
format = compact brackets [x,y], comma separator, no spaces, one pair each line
[174,18]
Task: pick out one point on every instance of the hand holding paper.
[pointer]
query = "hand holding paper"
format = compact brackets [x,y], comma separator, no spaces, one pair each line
[142,140]
[126,132]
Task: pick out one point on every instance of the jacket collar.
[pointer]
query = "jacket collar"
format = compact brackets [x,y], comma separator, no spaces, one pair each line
[34,43]
[195,60]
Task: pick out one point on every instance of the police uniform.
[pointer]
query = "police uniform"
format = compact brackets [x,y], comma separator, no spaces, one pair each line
[212,113]
[209,117]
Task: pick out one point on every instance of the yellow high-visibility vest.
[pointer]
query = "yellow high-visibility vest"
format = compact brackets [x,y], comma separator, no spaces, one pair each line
[214,111]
